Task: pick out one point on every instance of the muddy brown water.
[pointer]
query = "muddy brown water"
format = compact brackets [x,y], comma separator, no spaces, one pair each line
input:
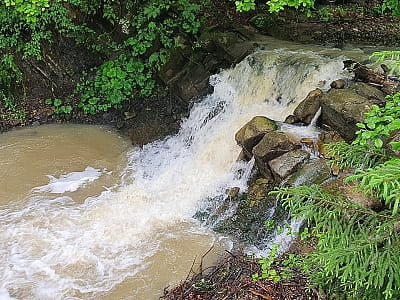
[39,166]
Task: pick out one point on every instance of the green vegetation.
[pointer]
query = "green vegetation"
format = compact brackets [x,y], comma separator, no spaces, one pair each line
[147,33]
[357,251]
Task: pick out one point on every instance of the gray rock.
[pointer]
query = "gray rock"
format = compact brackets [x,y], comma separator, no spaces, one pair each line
[369,92]
[271,146]
[314,172]
[307,108]
[252,133]
[288,163]
[342,109]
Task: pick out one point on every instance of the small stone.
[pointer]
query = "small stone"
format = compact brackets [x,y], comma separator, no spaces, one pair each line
[335,170]
[307,141]
[291,119]
[129,115]
[233,192]
[338,84]
[397,227]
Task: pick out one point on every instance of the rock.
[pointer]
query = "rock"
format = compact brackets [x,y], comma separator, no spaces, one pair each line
[314,172]
[288,163]
[271,146]
[259,190]
[342,109]
[368,92]
[350,191]
[327,137]
[129,115]
[338,84]
[187,72]
[242,156]
[307,108]
[252,133]
[233,192]
[309,142]
[291,119]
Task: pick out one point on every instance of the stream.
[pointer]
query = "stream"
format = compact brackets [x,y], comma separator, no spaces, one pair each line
[83,215]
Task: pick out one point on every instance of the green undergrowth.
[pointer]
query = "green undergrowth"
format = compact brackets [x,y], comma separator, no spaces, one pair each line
[136,39]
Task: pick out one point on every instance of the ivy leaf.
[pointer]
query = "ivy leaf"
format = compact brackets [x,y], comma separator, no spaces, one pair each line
[378,143]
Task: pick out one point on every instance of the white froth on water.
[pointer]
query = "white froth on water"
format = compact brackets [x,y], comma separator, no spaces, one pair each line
[62,249]
[70,182]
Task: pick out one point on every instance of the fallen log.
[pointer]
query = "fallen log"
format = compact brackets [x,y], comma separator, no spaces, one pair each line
[388,84]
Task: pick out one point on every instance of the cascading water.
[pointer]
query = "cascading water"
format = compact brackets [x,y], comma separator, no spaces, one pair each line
[55,247]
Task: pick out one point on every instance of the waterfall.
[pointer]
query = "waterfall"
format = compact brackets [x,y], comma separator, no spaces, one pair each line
[58,248]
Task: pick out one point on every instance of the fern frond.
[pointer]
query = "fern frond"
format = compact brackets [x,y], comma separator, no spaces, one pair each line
[347,156]
[357,251]
[382,181]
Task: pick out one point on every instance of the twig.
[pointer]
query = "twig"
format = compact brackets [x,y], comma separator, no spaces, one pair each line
[266,297]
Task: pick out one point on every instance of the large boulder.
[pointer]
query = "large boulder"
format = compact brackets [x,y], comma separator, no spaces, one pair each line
[350,191]
[316,171]
[343,108]
[271,146]
[307,108]
[252,133]
[288,163]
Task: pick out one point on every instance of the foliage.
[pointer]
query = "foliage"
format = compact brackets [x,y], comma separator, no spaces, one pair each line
[270,273]
[148,33]
[379,123]
[10,78]
[60,107]
[382,181]
[357,251]
[393,6]
[245,5]
[132,71]
[278,5]
[29,10]
[354,156]
[392,56]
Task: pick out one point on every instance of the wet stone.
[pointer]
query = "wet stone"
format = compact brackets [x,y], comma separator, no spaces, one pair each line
[252,132]
[314,172]
[288,163]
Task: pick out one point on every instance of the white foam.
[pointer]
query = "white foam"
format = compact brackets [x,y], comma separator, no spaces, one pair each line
[70,182]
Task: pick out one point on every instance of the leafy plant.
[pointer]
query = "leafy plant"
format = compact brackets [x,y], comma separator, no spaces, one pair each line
[353,156]
[132,71]
[60,108]
[278,5]
[266,271]
[392,56]
[382,181]
[245,5]
[393,6]
[357,250]
[379,123]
